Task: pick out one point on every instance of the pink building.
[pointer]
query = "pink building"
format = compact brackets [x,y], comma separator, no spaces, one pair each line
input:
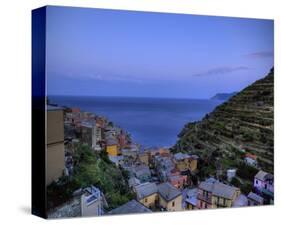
[122,140]
[178,181]
[264,182]
[75,110]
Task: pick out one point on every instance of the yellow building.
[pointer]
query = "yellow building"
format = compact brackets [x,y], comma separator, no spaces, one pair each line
[144,158]
[185,162]
[170,198]
[55,144]
[193,163]
[112,150]
[147,194]
[216,195]
[112,147]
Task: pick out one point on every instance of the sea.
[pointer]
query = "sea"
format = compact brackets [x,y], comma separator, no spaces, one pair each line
[151,122]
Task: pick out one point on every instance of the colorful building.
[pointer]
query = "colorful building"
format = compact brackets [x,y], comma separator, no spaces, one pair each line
[112,147]
[147,194]
[251,159]
[122,139]
[264,185]
[216,195]
[170,198]
[190,198]
[177,179]
[185,162]
[144,158]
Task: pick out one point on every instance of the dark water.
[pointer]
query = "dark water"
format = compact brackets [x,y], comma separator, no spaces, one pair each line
[150,121]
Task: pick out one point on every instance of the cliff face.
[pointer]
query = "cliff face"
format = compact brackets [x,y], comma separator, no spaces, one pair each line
[243,124]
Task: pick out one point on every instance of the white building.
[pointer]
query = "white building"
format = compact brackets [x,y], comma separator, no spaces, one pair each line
[92,202]
[230,174]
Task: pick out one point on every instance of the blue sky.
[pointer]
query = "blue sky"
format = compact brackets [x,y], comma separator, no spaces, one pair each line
[97,52]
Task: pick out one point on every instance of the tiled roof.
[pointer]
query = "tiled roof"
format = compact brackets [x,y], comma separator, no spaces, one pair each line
[223,190]
[261,175]
[111,141]
[168,191]
[255,197]
[181,156]
[206,186]
[130,207]
[219,189]
[142,170]
[145,189]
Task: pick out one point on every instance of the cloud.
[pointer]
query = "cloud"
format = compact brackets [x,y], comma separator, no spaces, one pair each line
[260,55]
[221,70]
[107,77]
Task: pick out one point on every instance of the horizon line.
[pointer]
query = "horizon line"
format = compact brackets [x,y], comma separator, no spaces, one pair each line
[115,96]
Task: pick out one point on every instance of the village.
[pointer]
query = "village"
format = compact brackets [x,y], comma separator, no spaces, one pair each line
[161,180]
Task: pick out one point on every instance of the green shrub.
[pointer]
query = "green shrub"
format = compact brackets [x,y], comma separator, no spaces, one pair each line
[92,169]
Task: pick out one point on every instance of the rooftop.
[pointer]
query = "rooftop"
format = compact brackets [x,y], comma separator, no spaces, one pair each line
[240,201]
[251,156]
[263,176]
[130,207]
[53,108]
[141,170]
[145,189]
[133,181]
[219,189]
[168,191]
[191,196]
[181,156]
[111,141]
[91,194]
[255,197]
[88,124]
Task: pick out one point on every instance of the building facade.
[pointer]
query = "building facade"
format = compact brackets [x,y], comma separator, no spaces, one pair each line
[89,134]
[170,198]
[91,202]
[55,144]
[216,195]
[147,194]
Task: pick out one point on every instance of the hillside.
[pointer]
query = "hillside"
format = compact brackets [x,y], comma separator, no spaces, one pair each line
[96,169]
[243,124]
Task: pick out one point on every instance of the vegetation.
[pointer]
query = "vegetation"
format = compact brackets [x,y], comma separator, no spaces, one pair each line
[242,124]
[92,168]
[246,188]
[235,182]
[246,172]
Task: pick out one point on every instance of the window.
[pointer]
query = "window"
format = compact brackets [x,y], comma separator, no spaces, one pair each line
[173,204]
[145,200]
[257,182]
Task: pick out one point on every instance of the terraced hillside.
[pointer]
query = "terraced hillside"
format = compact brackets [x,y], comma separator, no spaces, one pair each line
[243,124]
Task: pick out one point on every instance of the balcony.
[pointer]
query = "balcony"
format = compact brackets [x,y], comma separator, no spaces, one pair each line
[205,198]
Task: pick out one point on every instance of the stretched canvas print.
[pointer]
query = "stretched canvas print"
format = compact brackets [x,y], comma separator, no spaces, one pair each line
[142,112]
